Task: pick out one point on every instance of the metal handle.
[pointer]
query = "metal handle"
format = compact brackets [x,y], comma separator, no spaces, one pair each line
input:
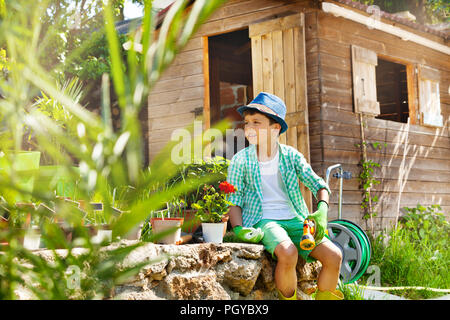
[341,178]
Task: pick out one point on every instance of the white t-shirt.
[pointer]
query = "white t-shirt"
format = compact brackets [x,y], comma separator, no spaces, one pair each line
[276,204]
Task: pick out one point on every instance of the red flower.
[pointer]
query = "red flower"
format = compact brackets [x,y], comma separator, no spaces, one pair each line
[226,187]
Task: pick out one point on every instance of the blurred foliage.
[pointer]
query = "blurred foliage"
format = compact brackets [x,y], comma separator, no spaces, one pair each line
[37,97]
[426,11]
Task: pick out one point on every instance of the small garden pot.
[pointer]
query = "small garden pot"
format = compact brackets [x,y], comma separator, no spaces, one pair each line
[99,233]
[32,239]
[135,233]
[3,227]
[102,236]
[162,224]
[191,222]
[213,232]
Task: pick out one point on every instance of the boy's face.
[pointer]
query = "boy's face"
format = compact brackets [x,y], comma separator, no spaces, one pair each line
[258,129]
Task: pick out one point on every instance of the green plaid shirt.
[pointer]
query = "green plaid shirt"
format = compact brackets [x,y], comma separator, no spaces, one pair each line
[244,174]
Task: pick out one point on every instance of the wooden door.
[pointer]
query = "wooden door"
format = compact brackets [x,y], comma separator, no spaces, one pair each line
[279,67]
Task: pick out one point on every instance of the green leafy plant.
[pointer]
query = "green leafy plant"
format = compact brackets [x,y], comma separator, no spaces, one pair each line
[108,159]
[214,204]
[427,224]
[217,165]
[415,253]
[367,180]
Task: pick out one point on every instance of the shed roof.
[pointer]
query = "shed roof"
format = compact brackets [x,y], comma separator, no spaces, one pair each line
[123,26]
[395,18]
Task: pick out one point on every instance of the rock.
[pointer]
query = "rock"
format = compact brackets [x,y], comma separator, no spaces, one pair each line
[308,287]
[239,274]
[134,293]
[193,286]
[234,271]
[308,271]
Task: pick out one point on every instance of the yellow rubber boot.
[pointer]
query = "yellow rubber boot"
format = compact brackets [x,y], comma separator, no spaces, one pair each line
[328,295]
[281,297]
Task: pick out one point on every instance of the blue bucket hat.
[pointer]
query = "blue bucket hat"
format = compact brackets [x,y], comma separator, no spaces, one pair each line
[270,105]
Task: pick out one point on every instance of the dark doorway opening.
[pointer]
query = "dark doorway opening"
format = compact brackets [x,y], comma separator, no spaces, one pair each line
[230,83]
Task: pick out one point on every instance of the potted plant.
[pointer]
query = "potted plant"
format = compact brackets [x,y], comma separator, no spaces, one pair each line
[184,204]
[212,211]
[24,223]
[95,221]
[179,209]
[166,229]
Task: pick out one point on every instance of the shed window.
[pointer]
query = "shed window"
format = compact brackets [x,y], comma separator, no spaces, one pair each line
[392,91]
[385,89]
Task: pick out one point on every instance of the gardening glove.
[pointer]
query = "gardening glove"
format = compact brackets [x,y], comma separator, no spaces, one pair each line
[320,219]
[251,235]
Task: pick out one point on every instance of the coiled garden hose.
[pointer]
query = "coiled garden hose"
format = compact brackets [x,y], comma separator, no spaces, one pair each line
[355,246]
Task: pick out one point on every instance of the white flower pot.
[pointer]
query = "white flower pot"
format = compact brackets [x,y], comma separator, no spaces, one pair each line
[101,236]
[32,240]
[213,232]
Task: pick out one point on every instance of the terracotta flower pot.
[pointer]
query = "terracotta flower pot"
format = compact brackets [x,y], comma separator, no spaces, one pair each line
[225,219]
[4,225]
[191,222]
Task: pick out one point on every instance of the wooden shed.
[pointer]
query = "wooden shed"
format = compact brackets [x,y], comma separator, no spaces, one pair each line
[347,73]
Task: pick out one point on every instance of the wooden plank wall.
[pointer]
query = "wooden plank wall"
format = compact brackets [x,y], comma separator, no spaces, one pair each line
[415,165]
[181,88]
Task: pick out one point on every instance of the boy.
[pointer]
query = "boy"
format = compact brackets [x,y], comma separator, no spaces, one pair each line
[268,204]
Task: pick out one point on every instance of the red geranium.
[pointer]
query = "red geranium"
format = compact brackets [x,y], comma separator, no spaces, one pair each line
[226,187]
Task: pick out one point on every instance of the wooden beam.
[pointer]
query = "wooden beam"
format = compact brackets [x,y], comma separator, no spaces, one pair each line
[206,97]
[368,21]
[412,104]
[284,23]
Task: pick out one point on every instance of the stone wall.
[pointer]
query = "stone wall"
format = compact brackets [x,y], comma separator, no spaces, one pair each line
[205,271]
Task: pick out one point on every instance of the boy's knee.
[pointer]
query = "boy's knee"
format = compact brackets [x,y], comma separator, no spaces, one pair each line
[287,253]
[333,258]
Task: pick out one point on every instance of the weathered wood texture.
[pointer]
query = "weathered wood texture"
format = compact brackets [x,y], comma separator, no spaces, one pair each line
[279,67]
[416,160]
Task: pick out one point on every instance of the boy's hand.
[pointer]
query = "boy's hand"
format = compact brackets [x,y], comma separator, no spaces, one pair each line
[320,219]
[251,235]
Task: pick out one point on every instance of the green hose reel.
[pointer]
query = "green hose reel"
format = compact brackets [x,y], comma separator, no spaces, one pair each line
[350,239]
[355,247]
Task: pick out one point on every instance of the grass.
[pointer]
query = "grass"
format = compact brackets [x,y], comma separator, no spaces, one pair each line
[414,254]
[351,292]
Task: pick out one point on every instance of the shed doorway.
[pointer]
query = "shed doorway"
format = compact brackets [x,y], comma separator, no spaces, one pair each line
[268,56]
[230,86]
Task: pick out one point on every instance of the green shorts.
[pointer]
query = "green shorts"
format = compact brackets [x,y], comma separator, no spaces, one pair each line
[276,231]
